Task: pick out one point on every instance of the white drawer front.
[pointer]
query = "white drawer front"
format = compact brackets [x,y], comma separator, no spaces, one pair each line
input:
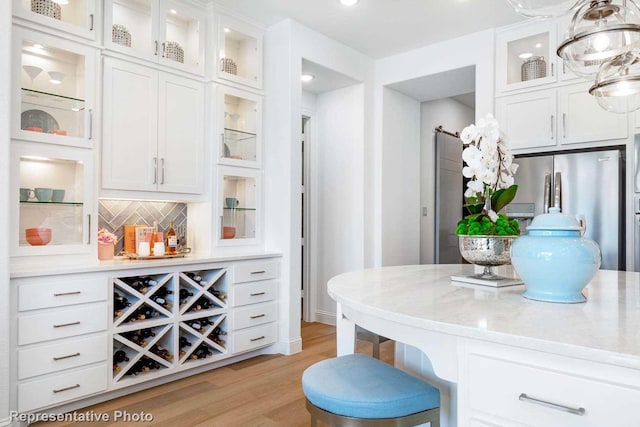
[255,337]
[61,388]
[253,293]
[34,294]
[56,357]
[250,272]
[254,315]
[495,388]
[62,323]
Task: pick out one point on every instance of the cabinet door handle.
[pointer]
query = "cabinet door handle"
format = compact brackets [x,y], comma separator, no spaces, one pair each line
[256,294]
[564,68]
[155,49]
[66,357]
[221,64]
[90,123]
[91,22]
[552,70]
[552,117]
[257,316]
[60,294]
[164,49]
[564,125]
[155,170]
[258,272]
[62,325]
[88,229]
[162,170]
[222,145]
[257,339]
[580,411]
[66,388]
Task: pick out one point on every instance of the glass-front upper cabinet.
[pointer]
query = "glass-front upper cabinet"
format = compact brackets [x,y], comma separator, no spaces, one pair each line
[51,199]
[72,16]
[239,207]
[53,90]
[239,52]
[161,31]
[241,127]
[526,56]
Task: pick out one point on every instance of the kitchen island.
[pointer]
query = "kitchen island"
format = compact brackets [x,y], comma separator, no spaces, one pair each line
[498,358]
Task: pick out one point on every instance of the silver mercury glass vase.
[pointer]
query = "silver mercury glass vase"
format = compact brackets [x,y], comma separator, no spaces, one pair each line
[487,251]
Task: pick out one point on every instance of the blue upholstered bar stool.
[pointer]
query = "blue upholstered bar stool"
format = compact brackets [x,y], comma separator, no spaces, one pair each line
[359,391]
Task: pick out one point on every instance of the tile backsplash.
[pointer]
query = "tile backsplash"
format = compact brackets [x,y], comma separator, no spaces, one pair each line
[114,214]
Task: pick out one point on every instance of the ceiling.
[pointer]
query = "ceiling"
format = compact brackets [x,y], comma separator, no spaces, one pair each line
[380,28]
[325,79]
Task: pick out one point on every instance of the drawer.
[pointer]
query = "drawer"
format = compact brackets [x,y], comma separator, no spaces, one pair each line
[61,388]
[62,323]
[250,272]
[496,388]
[253,338]
[56,357]
[61,291]
[252,293]
[254,315]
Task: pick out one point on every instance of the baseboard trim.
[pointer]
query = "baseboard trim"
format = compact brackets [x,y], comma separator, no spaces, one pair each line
[290,347]
[326,317]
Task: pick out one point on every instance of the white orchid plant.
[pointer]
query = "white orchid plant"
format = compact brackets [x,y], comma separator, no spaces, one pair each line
[490,169]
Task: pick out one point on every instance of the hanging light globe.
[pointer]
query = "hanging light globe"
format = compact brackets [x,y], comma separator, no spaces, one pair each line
[617,85]
[544,8]
[600,31]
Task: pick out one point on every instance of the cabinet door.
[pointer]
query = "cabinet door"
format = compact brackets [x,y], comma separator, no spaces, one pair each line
[180,136]
[54,90]
[130,126]
[239,201]
[52,199]
[75,17]
[239,54]
[581,119]
[525,56]
[131,27]
[528,119]
[181,35]
[240,119]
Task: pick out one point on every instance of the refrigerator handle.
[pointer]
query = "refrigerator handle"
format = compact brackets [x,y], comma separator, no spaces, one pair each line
[557,191]
[547,192]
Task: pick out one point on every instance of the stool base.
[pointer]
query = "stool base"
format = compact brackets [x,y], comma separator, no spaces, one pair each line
[317,414]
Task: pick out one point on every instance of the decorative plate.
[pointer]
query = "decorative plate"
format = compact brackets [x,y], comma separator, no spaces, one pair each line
[38,119]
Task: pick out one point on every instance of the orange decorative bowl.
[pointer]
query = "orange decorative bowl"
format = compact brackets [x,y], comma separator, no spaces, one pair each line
[228,232]
[38,236]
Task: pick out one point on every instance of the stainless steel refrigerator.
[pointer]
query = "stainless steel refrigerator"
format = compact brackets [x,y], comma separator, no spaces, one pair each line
[588,185]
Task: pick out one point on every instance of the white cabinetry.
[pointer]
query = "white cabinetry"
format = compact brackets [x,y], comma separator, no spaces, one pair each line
[513,387]
[240,206]
[534,120]
[61,339]
[238,57]
[77,17]
[153,130]
[162,31]
[239,114]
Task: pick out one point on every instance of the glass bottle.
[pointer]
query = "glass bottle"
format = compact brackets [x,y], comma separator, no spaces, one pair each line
[172,240]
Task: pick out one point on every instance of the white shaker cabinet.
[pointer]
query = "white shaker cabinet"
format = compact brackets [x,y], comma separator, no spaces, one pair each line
[77,17]
[153,130]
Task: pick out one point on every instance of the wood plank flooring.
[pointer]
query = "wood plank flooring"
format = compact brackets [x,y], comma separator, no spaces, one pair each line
[261,392]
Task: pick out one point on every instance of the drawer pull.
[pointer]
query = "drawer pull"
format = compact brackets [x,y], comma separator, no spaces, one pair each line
[257,316]
[255,294]
[66,388]
[66,357]
[61,294]
[258,272]
[257,339]
[62,325]
[580,411]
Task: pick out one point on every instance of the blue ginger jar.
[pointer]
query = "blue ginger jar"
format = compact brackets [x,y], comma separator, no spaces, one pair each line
[554,260]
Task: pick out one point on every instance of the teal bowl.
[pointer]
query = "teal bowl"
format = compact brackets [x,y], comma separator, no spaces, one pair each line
[554,260]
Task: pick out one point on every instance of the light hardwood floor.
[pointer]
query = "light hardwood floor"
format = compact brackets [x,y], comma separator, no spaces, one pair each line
[261,392]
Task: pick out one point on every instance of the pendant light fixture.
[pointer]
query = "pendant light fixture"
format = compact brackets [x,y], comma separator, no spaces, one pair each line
[599,32]
[544,8]
[617,85]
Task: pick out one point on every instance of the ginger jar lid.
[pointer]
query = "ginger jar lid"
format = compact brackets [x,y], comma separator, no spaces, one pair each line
[554,221]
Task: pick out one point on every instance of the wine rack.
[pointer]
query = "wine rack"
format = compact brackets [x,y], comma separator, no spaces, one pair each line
[143,351]
[201,338]
[142,299]
[202,292]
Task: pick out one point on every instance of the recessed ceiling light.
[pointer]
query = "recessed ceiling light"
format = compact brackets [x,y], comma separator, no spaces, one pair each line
[348,2]
[226,30]
[538,45]
[525,55]
[173,11]
[307,77]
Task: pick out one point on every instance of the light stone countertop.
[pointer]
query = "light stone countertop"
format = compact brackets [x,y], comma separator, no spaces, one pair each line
[604,329]
[45,267]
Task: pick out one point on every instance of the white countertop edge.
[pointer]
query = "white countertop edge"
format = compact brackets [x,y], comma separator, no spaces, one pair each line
[45,268]
[529,343]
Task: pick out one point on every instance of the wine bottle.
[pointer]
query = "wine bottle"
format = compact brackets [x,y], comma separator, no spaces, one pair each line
[184,294]
[118,357]
[162,352]
[163,292]
[161,301]
[183,342]
[202,352]
[197,325]
[171,240]
[193,276]
[219,294]
[119,304]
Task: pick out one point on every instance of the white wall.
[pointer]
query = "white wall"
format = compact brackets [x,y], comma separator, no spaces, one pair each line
[336,195]
[400,179]
[453,116]
[477,50]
